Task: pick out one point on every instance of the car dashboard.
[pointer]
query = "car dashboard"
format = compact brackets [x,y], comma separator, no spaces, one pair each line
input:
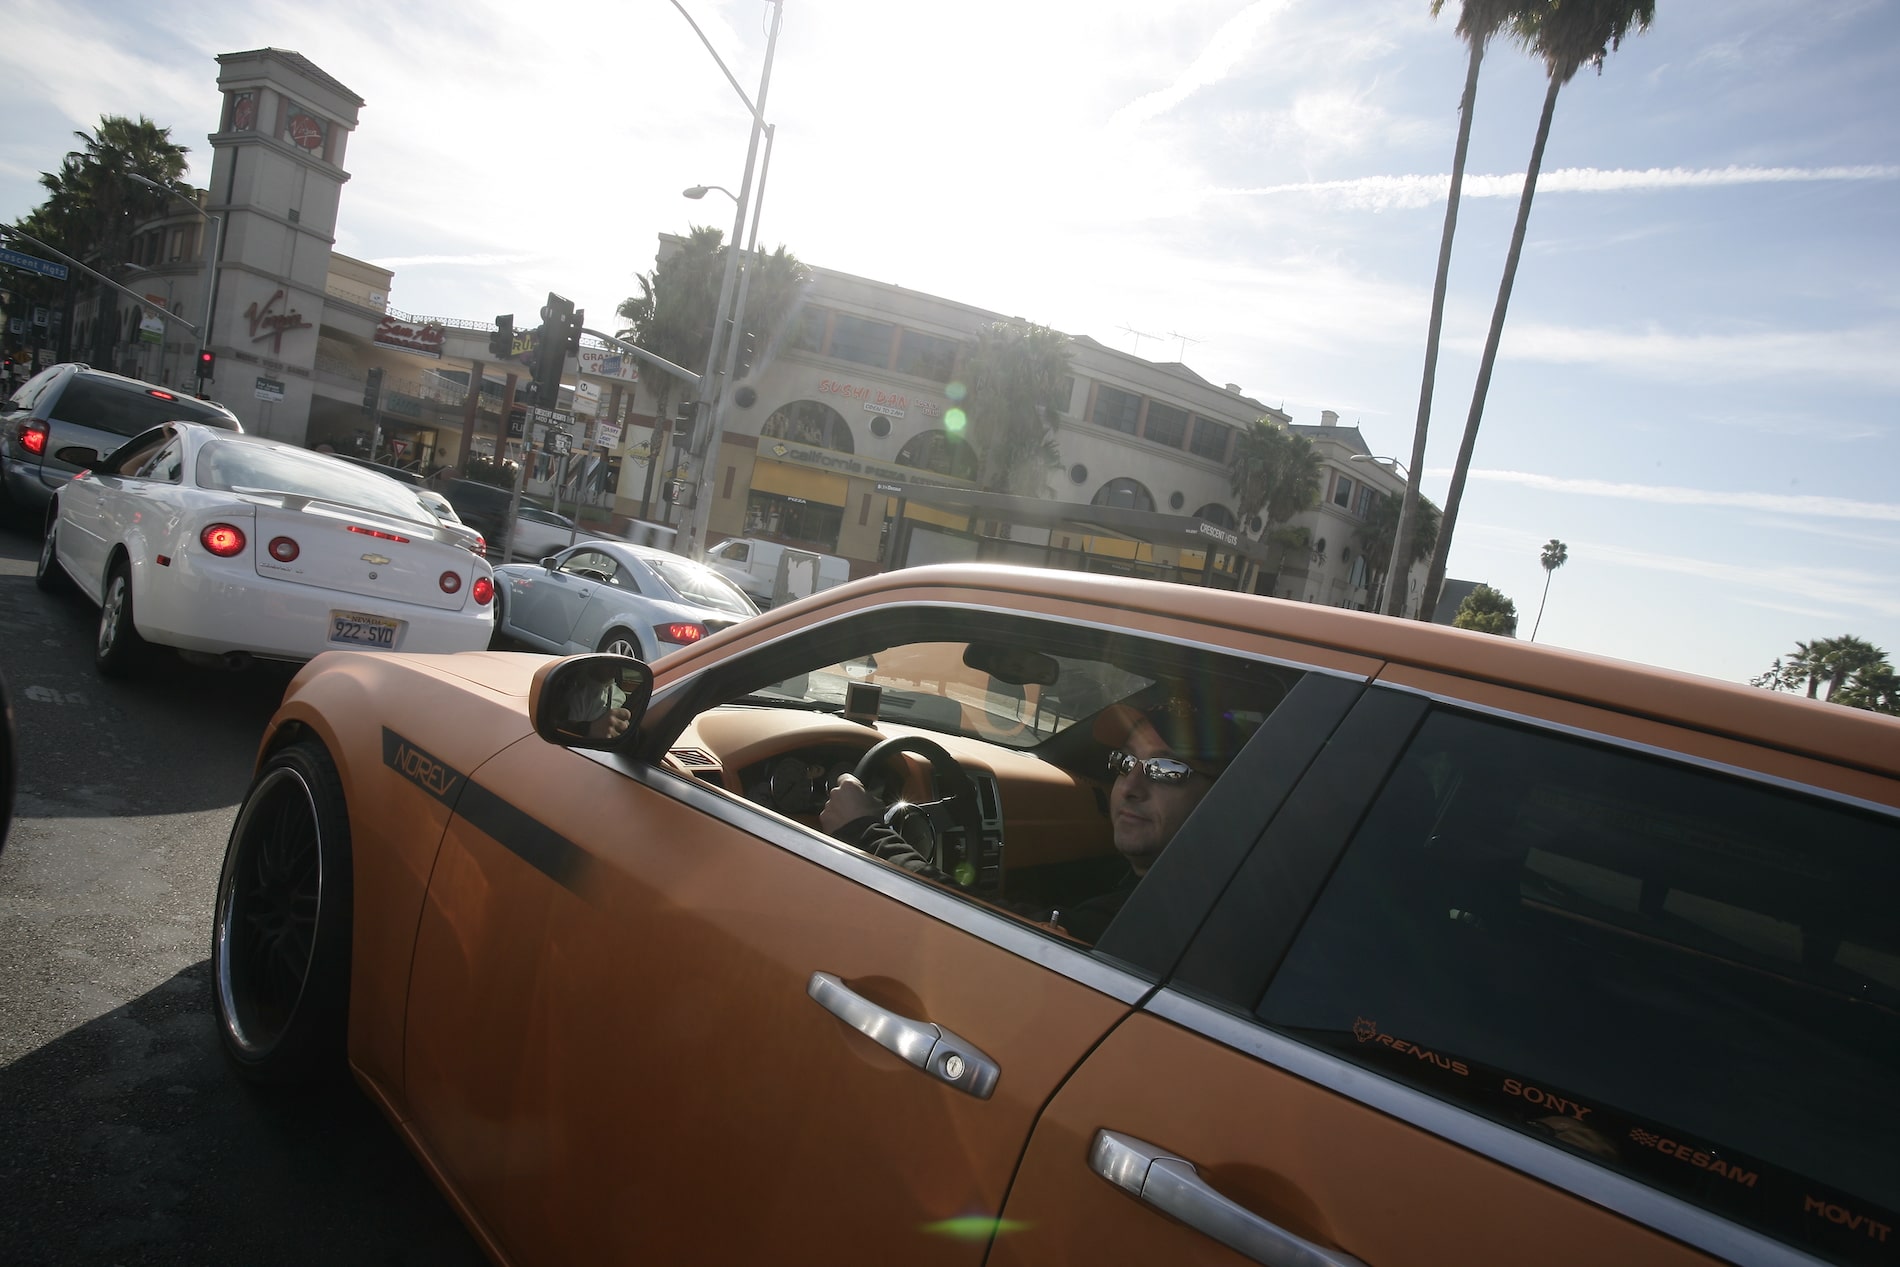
[1035,816]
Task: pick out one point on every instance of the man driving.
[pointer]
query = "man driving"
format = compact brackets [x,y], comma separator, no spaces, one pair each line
[1165,758]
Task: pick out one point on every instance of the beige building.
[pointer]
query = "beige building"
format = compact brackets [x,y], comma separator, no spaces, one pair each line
[843,447]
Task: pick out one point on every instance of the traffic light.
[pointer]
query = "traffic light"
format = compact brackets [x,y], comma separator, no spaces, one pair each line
[372,388]
[207,362]
[551,345]
[683,425]
[501,345]
[571,341]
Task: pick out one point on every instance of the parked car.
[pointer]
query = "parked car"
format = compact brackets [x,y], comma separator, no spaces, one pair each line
[773,572]
[1464,950]
[614,596]
[230,547]
[72,405]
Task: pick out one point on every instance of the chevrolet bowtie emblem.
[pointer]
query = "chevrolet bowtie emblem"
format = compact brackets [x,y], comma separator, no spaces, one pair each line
[376,559]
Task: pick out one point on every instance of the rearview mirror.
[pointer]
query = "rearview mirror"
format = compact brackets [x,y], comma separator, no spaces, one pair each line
[1016,665]
[78,455]
[590,701]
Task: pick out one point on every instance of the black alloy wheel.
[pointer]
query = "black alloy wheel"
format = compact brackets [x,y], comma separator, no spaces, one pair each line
[280,940]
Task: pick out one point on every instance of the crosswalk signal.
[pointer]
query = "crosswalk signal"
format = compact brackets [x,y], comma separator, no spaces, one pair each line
[501,344]
[207,362]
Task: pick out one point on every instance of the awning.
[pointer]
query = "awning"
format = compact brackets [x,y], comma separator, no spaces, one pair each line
[788,480]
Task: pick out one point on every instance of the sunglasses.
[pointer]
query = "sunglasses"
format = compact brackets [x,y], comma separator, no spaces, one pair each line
[1158,769]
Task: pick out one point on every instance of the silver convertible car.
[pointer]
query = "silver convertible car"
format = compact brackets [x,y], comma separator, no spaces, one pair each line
[614,596]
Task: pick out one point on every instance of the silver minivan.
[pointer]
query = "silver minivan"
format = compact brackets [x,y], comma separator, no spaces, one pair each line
[71,404]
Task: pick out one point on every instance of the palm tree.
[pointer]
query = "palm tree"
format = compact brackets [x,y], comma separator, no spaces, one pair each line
[1275,476]
[109,203]
[1567,35]
[1555,554]
[1835,660]
[1014,379]
[1478,21]
[1376,535]
[673,316]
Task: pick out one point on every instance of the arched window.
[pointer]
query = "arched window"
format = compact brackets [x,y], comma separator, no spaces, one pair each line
[1219,516]
[939,453]
[809,422]
[1126,493]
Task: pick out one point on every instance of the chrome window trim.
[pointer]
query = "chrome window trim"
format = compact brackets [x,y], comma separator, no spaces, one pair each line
[1002,931]
[1690,1224]
[1674,755]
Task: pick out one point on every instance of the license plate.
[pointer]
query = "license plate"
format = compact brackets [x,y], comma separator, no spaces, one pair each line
[358,629]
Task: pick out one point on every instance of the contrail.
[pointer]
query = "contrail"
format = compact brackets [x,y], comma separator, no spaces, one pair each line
[1399,193]
[1783,503]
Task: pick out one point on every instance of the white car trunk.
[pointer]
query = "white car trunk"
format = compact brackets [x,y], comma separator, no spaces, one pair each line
[358,552]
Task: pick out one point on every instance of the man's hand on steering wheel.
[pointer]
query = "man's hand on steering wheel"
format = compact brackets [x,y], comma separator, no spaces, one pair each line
[849,801]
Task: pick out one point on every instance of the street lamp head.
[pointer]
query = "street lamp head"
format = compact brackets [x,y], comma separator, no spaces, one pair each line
[700,191]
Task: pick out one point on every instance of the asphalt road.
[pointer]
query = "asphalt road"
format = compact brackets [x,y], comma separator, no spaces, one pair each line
[124,1138]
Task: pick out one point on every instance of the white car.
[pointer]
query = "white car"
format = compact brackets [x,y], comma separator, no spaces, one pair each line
[231,547]
[614,596]
[442,508]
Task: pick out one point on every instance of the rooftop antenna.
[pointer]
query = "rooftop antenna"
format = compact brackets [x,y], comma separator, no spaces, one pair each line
[1182,354]
[1139,336]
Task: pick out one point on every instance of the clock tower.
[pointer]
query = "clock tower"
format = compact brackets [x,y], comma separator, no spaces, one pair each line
[276,179]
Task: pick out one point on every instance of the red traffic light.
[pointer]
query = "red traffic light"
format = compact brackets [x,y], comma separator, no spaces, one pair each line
[207,362]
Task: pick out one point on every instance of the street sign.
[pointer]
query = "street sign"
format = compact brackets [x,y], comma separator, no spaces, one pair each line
[33,264]
[270,389]
[560,441]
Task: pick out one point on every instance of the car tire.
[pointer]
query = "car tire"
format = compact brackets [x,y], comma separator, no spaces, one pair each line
[280,934]
[48,574]
[622,642]
[119,649]
[498,640]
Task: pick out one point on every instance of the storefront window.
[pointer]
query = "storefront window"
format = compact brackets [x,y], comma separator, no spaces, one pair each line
[808,330]
[1165,425]
[810,422]
[926,356]
[793,520]
[865,342]
[1115,408]
[936,452]
[1210,439]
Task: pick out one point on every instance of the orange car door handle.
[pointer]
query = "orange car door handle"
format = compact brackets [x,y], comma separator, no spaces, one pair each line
[1173,1186]
[931,1048]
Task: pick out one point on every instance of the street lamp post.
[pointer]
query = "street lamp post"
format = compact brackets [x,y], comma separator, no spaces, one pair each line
[705,442]
[211,261]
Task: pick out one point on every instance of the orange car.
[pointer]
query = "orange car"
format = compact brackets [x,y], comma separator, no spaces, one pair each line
[1465,951]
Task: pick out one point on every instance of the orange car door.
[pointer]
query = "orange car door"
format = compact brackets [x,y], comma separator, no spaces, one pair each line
[644,1021]
[1491,991]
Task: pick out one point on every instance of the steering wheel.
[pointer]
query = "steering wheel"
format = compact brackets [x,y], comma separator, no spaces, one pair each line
[956,808]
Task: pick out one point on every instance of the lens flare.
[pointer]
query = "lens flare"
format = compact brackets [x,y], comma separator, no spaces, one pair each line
[955,391]
[974,1227]
[954,421]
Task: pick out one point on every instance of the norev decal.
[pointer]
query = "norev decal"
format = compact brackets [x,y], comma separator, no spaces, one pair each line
[430,773]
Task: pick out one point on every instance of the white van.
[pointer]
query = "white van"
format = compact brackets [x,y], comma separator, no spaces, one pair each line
[773,573]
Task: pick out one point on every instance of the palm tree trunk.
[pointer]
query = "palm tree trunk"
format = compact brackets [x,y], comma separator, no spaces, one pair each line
[1448,518]
[1399,568]
[1548,572]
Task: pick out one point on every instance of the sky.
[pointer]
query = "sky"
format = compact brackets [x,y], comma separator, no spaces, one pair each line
[1698,387]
